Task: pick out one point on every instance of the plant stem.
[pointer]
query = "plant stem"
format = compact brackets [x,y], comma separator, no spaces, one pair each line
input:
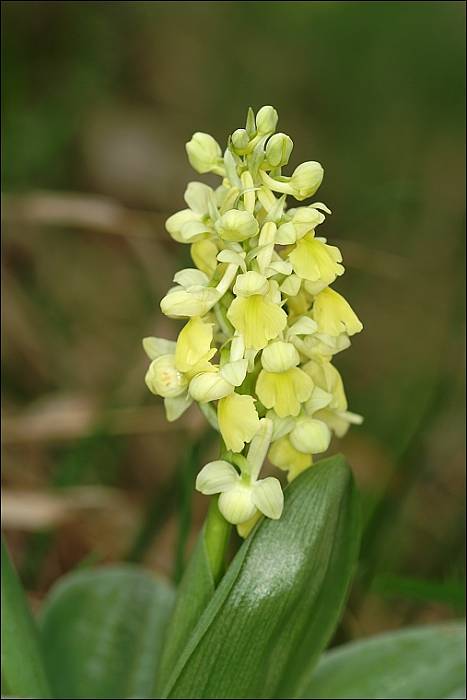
[216,536]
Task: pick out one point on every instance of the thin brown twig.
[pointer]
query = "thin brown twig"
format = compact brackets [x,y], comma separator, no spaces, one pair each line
[77,210]
[105,215]
[74,419]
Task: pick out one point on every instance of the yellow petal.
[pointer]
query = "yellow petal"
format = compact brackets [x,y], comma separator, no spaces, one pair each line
[299,303]
[204,255]
[284,391]
[245,528]
[283,455]
[193,345]
[238,420]
[334,315]
[316,261]
[258,319]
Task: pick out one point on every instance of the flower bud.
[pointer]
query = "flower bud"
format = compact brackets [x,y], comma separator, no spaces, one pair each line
[250,283]
[240,141]
[279,357]
[209,386]
[310,436]
[237,225]
[163,378]
[236,504]
[306,178]
[266,120]
[203,152]
[278,150]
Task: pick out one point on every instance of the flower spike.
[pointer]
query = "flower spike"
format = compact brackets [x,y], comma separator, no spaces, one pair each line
[262,321]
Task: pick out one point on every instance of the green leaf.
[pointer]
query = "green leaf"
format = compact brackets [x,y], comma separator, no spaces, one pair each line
[423,662]
[194,593]
[281,597]
[102,632]
[23,671]
[205,569]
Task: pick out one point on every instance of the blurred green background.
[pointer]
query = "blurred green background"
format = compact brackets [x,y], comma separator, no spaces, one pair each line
[98,101]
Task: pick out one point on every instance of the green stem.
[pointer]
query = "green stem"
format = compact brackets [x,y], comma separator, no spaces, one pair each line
[216,536]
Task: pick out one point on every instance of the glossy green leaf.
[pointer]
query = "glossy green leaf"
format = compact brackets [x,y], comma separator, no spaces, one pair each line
[424,662]
[102,632]
[23,671]
[194,593]
[204,571]
[281,598]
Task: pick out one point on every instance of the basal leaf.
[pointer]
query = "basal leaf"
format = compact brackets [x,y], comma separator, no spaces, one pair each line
[102,632]
[424,662]
[281,597]
[195,591]
[23,673]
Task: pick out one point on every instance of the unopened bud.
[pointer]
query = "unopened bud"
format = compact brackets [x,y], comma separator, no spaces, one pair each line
[266,120]
[278,150]
[203,152]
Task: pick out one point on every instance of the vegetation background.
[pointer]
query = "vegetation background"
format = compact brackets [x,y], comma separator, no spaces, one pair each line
[98,101]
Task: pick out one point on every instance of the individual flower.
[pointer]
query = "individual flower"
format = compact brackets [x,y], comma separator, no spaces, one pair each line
[173,365]
[253,312]
[315,261]
[204,153]
[282,385]
[243,495]
[304,182]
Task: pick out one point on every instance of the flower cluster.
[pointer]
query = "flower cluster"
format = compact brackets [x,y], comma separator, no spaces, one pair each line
[263,321]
